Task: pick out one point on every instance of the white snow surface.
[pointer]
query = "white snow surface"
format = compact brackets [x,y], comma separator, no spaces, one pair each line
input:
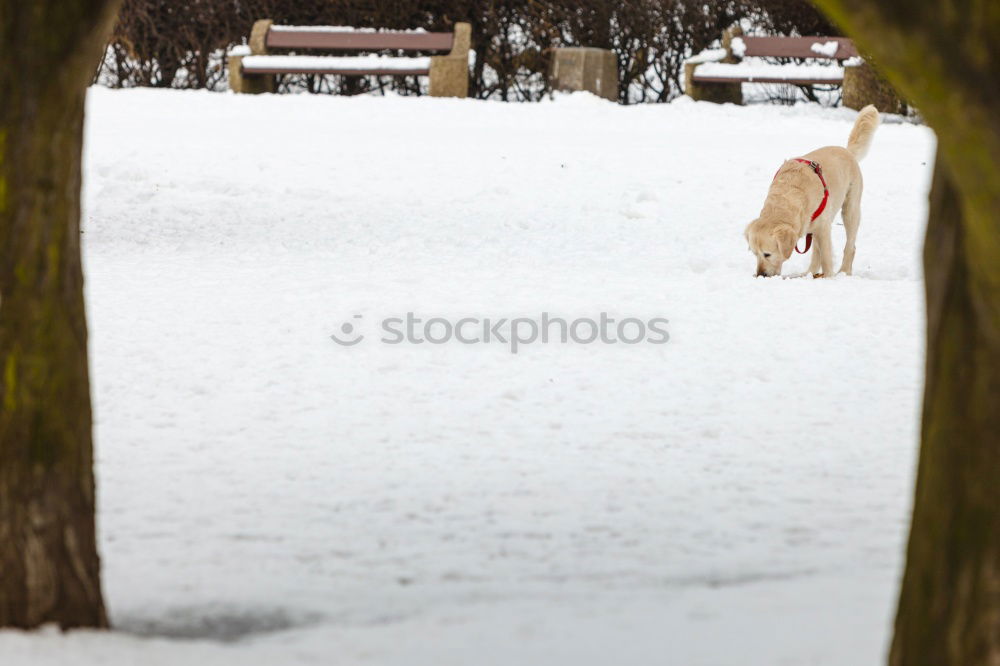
[738,46]
[828,49]
[333,63]
[738,495]
[754,68]
[708,55]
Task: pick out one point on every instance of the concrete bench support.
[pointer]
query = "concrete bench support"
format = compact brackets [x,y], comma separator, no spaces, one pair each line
[252,84]
[585,68]
[864,86]
[720,93]
[449,75]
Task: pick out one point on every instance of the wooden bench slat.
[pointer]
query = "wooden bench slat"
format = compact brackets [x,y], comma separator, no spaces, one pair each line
[281,37]
[797,47]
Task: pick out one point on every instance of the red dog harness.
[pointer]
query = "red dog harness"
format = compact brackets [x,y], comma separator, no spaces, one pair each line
[822,204]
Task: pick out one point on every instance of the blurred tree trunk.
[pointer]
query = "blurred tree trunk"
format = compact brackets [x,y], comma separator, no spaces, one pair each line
[49,568]
[944,57]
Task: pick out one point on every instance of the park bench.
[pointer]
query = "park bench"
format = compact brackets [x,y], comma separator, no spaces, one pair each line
[717,75]
[254,72]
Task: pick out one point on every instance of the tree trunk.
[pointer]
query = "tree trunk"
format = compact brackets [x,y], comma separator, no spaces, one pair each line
[49,568]
[943,57]
[950,599]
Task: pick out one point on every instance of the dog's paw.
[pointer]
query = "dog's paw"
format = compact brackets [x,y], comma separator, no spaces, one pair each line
[817,276]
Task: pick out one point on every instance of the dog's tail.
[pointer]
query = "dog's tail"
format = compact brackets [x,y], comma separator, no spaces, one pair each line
[864,129]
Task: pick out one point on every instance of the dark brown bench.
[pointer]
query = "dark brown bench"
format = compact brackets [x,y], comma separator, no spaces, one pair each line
[253,69]
[716,75]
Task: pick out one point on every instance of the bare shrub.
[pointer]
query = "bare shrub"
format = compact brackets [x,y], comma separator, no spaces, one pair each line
[168,44]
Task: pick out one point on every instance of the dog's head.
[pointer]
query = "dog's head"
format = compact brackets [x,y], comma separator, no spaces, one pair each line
[771,243]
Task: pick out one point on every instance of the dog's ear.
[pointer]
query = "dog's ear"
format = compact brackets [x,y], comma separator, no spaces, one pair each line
[786,241]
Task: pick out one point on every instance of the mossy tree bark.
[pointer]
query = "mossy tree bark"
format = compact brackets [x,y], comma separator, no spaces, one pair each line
[943,56]
[49,568]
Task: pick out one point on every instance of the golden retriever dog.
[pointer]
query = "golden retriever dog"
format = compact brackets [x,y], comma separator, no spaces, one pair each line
[803,200]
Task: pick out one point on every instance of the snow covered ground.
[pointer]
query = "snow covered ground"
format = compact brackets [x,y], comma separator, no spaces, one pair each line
[736,496]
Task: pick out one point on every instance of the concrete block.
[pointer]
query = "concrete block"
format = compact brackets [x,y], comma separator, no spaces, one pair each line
[585,68]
